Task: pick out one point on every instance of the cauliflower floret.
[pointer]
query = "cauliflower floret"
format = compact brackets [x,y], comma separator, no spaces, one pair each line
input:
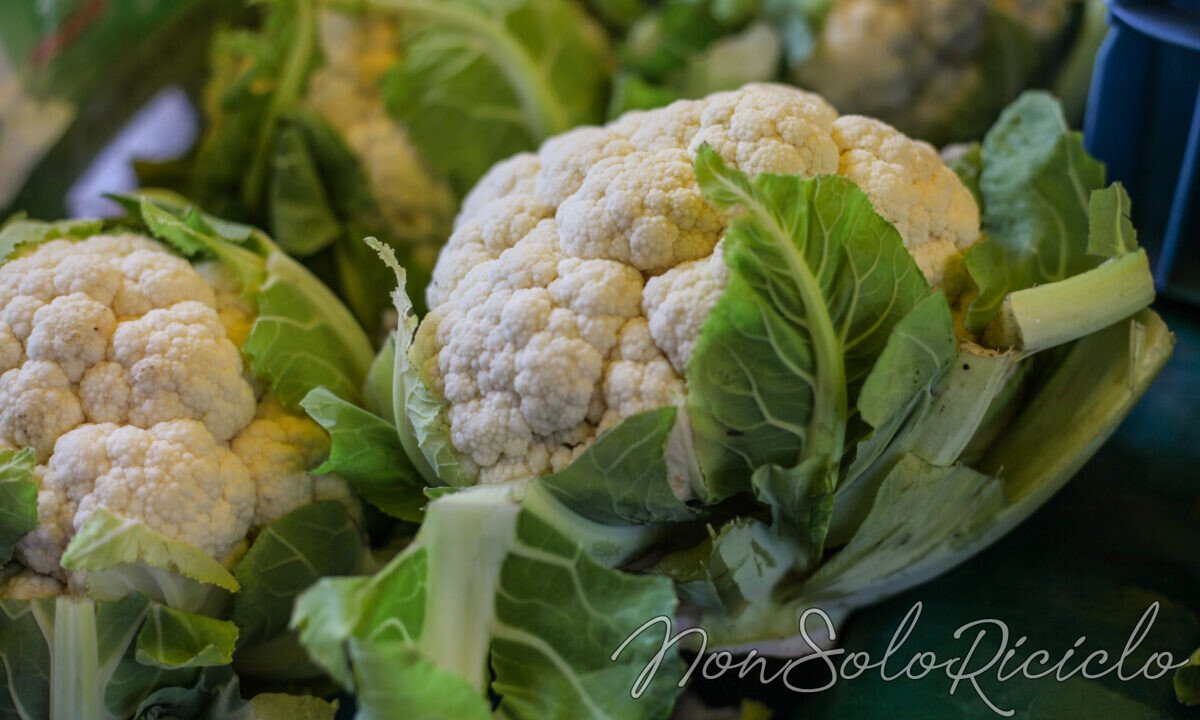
[560,309]
[566,159]
[28,585]
[558,370]
[278,448]
[548,323]
[773,129]
[118,368]
[495,229]
[915,191]
[175,477]
[638,378]
[18,315]
[160,351]
[515,176]
[643,209]
[71,331]
[10,349]
[154,280]
[678,302]
[37,405]
[650,131]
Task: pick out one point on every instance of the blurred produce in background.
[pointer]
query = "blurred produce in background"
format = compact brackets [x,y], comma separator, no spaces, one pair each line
[73,73]
[329,125]
[937,69]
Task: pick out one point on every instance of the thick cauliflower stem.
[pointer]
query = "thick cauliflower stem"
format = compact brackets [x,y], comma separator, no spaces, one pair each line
[576,281]
[117,367]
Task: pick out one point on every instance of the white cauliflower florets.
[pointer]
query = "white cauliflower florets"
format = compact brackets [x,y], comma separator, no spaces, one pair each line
[574,286]
[117,366]
[678,301]
[174,477]
[906,183]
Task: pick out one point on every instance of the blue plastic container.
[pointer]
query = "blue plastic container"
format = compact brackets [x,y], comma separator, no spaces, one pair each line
[1143,120]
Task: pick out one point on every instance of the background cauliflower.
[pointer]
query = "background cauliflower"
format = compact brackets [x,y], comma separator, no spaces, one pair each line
[939,70]
[29,585]
[298,140]
[927,65]
[572,290]
[345,91]
[329,124]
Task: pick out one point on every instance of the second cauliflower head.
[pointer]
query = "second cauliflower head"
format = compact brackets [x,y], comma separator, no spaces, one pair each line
[577,279]
[120,365]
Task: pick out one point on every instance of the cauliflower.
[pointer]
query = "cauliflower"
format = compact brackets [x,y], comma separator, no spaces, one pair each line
[120,365]
[572,290]
[345,92]
[916,63]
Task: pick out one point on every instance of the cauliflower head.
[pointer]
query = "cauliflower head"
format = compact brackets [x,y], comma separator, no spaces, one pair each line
[572,290]
[918,63]
[120,365]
